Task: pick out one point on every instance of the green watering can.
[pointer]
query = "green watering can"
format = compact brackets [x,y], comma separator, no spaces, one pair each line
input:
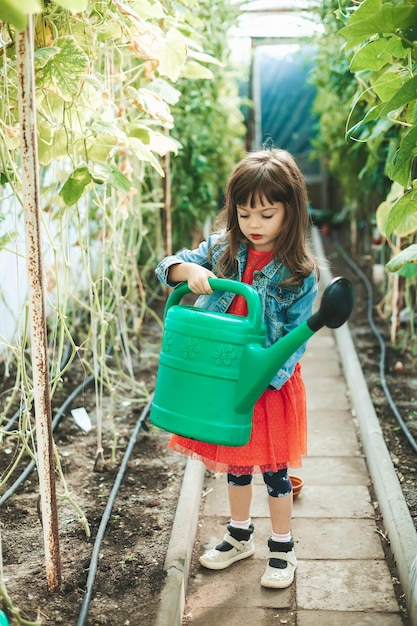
[213,367]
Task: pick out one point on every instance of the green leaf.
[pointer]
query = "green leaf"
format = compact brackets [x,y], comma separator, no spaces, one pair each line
[75,6]
[103,127]
[118,180]
[381,215]
[386,20]
[371,115]
[74,186]
[152,104]
[102,173]
[18,15]
[366,9]
[408,226]
[377,53]
[98,148]
[64,72]
[52,143]
[194,71]
[148,10]
[387,85]
[202,57]
[408,270]
[42,56]
[400,167]
[144,154]
[171,53]
[406,93]
[162,144]
[404,261]
[401,209]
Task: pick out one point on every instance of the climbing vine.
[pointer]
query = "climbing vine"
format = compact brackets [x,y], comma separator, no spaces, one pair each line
[112,77]
[367,63]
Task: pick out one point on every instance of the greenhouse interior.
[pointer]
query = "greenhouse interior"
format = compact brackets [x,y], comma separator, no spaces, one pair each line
[121,124]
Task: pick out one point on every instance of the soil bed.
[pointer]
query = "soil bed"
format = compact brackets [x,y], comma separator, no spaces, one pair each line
[130,571]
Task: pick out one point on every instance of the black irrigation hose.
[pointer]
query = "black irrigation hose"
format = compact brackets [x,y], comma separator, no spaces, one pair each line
[411,440]
[106,515]
[19,412]
[31,466]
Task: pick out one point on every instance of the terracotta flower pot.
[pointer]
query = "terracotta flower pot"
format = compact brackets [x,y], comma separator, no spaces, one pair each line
[297,485]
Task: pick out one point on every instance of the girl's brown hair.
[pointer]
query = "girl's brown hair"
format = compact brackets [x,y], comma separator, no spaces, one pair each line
[274,176]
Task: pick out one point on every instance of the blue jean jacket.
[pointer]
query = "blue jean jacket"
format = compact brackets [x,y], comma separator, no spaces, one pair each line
[283,307]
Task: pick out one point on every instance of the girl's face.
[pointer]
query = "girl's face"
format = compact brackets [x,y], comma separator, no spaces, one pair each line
[261,224]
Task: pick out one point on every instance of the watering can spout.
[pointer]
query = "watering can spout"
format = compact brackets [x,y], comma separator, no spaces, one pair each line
[259,364]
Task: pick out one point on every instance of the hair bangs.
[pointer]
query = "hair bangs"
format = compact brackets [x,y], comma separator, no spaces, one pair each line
[257,186]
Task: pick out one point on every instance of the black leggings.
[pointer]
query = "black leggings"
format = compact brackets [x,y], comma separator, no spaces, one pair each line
[277,483]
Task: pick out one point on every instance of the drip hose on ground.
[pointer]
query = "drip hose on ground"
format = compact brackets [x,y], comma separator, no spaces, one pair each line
[19,412]
[106,516]
[61,412]
[411,440]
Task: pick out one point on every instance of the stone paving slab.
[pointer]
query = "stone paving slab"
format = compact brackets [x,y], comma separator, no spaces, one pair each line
[314,538]
[329,394]
[331,433]
[316,501]
[340,470]
[350,618]
[235,616]
[345,586]
[238,586]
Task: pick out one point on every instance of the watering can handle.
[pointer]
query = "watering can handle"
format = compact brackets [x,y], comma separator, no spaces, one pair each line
[224,284]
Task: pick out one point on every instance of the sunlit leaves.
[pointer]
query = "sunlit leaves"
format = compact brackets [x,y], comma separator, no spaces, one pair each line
[143,153]
[401,210]
[171,53]
[405,94]
[16,13]
[399,169]
[405,262]
[72,5]
[82,176]
[148,42]
[373,55]
[64,71]
[383,63]
[386,19]
[152,104]
[75,184]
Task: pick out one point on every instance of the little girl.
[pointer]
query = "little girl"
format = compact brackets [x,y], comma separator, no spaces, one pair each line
[262,242]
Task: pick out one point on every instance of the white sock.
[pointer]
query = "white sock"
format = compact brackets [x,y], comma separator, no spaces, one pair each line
[281,538]
[244,525]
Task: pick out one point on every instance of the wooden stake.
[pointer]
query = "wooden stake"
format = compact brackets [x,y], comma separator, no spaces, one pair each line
[42,403]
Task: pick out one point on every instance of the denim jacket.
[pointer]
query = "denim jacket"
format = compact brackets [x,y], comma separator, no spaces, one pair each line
[283,307]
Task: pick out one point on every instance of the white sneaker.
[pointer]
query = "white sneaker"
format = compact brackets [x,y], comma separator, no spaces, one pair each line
[277,578]
[220,559]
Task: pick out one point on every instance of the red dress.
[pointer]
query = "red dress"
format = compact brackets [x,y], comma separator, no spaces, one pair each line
[279,423]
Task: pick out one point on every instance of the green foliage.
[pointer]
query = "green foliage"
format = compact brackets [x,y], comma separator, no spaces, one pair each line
[377,98]
[119,84]
[388,33]
[208,124]
[349,161]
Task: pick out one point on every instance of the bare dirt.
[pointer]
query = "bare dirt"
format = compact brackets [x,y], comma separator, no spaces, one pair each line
[130,572]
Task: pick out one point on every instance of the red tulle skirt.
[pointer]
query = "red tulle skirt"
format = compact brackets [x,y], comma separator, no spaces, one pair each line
[278,439]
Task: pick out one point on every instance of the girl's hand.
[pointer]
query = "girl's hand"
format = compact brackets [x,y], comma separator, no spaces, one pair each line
[198,279]
[196,276]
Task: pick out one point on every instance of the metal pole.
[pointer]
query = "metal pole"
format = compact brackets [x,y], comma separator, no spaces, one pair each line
[42,402]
